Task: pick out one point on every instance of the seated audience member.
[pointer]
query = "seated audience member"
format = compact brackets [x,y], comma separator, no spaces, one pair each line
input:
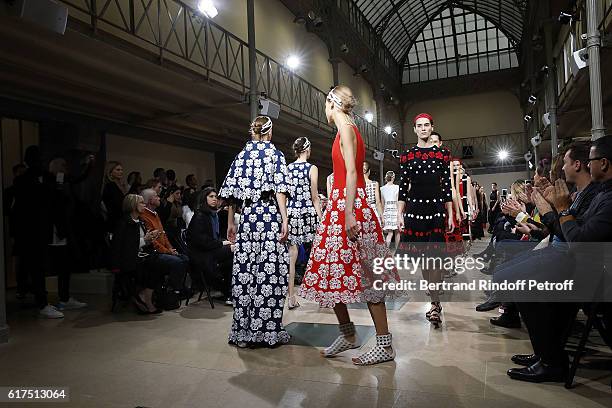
[522,235]
[176,264]
[191,184]
[171,178]
[548,323]
[155,185]
[206,247]
[134,181]
[172,225]
[131,254]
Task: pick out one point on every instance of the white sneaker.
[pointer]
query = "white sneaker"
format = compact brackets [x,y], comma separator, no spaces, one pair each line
[71,304]
[50,312]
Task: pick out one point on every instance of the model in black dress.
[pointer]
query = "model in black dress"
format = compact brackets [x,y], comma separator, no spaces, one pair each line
[424,199]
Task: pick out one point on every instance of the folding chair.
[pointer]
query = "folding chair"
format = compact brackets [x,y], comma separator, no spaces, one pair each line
[593,319]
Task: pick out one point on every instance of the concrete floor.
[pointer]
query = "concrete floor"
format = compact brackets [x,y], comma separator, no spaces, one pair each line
[182,359]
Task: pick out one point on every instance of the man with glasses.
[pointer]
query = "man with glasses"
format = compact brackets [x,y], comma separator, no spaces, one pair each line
[548,323]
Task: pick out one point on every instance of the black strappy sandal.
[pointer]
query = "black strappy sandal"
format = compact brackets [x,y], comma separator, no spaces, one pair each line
[435,316]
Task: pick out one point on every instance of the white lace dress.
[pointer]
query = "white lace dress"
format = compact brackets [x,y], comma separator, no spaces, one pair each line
[389,194]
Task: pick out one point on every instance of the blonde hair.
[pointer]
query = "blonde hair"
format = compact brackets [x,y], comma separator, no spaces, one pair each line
[345,97]
[261,126]
[130,203]
[517,188]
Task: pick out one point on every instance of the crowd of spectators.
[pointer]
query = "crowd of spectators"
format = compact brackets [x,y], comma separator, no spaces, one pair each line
[141,227]
[553,228]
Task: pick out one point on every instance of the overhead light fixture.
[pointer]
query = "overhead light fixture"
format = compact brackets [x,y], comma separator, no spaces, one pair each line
[502,154]
[369,116]
[293,62]
[388,129]
[207,8]
[527,118]
[532,99]
[393,135]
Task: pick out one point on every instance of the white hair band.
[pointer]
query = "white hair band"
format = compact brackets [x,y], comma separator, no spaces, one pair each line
[334,98]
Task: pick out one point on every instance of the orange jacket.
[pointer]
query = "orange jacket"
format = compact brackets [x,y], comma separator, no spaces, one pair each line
[152,222]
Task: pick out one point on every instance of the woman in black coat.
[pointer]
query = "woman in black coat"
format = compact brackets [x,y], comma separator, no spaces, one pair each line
[207,251]
[130,253]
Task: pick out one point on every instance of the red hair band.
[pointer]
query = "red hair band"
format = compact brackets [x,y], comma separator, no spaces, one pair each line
[423,115]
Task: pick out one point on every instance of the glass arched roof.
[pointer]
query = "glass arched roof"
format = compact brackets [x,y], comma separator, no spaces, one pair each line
[435,39]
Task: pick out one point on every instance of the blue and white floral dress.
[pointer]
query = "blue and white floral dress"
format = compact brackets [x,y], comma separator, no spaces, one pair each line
[261,263]
[303,219]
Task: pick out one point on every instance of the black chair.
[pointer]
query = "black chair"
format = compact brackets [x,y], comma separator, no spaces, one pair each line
[205,287]
[594,312]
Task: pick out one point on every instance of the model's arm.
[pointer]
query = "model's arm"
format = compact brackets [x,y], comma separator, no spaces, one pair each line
[347,146]
[379,205]
[314,190]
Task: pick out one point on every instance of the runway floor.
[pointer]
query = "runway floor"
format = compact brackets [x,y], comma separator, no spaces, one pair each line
[182,359]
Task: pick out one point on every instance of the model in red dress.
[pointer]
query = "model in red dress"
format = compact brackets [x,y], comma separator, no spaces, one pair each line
[342,260]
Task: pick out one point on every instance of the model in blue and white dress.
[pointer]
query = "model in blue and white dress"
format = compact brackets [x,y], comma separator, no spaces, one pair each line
[303,219]
[304,208]
[261,260]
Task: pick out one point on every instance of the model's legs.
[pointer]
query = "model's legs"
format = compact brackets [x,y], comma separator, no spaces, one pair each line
[348,338]
[293,254]
[383,351]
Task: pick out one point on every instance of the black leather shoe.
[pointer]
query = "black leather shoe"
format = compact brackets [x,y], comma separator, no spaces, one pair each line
[487,306]
[525,360]
[507,321]
[539,372]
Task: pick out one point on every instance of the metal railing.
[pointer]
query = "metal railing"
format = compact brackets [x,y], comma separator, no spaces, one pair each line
[485,148]
[175,31]
[605,11]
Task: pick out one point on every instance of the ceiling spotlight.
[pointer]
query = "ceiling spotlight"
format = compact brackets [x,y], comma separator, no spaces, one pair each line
[502,155]
[207,8]
[532,99]
[388,129]
[344,48]
[527,118]
[369,116]
[293,62]
[393,135]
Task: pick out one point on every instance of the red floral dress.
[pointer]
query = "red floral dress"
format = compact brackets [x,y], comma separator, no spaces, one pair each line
[340,270]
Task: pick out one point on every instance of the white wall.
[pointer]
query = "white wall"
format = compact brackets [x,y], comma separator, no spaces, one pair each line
[484,114]
[143,156]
